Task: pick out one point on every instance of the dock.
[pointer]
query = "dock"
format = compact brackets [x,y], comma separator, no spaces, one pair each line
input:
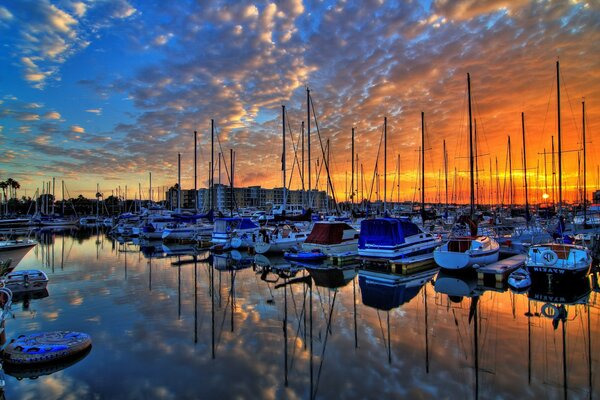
[347,258]
[501,269]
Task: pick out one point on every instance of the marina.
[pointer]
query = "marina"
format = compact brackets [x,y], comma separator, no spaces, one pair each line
[299,200]
[161,321]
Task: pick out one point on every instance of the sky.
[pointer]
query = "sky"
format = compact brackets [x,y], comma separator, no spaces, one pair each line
[104,92]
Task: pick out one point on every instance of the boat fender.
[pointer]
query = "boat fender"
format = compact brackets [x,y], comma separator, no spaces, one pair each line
[549,257]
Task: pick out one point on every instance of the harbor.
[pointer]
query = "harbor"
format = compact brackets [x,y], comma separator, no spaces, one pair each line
[283,330]
[299,200]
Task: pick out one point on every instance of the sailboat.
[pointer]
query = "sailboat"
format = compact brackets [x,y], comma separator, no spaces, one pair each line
[558,261]
[399,238]
[467,250]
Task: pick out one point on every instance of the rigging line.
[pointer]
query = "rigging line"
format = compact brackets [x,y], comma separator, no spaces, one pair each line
[295,147]
[547,111]
[323,151]
[569,101]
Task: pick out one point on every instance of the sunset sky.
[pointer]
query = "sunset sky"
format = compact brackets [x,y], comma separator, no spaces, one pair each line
[104,92]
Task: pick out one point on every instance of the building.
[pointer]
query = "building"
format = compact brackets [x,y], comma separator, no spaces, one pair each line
[252,197]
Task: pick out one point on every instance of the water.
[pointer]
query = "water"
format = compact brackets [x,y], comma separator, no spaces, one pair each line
[192,331]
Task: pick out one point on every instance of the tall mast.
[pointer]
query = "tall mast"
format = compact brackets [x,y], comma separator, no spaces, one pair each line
[178,182]
[302,175]
[384,163]
[472,197]
[150,187]
[212,164]
[446,174]
[525,169]
[584,164]
[553,174]
[308,144]
[423,168]
[283,155]
[352,178]
[195,171]
[559,139]
[231,160]
[63,198]
[398,184]
[510,175]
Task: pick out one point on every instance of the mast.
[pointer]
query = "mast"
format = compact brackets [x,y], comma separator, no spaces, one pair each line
[303,181]
[525,170]
[559,138]
[231,159]
[283,156]
[195,171]
[510,175]
[423,168]
[446,175]
[53,198]
[308,144]
[150,189]
[398,183]
[178,182]
[352,178]
[384,164]
[472,176]
[63,198]
[584,164]
[212,164]
[553,175]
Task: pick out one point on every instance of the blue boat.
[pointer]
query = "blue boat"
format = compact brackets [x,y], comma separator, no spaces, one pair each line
[394,239]
[306,256]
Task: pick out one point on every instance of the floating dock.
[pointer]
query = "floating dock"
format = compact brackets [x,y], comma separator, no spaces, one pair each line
[349,257]
[501,269]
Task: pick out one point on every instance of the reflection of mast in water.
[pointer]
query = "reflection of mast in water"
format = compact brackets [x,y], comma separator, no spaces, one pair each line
[555,307]
[195,300]
[179,290]
[426,331]
[211,272]
[62,253]
[285,337]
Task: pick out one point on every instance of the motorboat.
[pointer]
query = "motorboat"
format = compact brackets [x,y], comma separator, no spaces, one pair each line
[558,261]
[395,238]
[332,237]
[28,280]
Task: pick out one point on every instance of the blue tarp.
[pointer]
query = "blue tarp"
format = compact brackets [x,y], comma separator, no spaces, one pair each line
[385,231]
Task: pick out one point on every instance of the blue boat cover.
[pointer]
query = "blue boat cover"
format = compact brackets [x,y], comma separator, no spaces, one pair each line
[386,231]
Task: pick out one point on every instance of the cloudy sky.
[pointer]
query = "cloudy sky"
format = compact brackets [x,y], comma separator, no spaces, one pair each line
[106,91]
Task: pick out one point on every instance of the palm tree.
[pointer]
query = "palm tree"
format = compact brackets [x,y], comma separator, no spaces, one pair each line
[15,185]
[3,186]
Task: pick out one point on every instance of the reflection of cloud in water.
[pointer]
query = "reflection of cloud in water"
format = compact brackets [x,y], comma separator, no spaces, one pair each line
[142,324]
[56,386]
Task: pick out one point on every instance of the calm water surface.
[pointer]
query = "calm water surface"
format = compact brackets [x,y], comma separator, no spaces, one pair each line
[230,328]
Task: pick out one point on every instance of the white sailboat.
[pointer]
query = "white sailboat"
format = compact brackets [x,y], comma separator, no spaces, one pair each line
[467,250]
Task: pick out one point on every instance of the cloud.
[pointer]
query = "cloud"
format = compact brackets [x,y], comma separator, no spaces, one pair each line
[24,116]
[52,115]
[47,35]
[77,129]
[96,111]
[469,9]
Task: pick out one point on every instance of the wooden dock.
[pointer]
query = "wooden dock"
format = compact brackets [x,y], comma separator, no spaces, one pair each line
[406,267]
[350,257]
[501,269]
